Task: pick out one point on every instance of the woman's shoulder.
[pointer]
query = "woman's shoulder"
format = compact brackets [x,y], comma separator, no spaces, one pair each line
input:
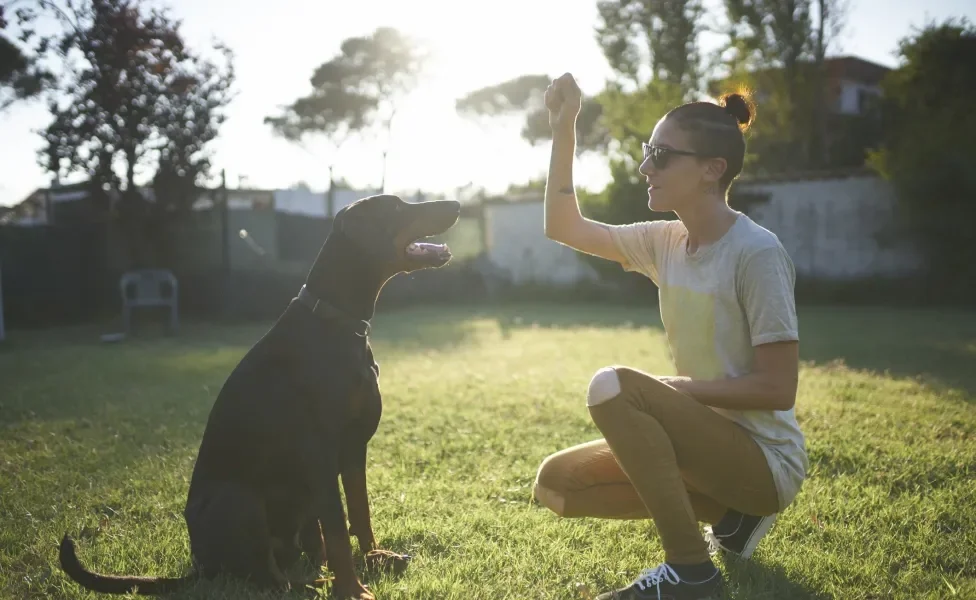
[754,238]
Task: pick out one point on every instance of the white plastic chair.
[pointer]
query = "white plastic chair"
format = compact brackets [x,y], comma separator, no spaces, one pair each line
[149,288]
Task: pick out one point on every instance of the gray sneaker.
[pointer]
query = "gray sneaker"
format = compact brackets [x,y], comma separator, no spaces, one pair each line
[738,533]
[663,583]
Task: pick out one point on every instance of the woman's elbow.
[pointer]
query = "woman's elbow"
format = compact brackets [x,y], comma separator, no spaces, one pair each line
[783,396]
[784,402]
[554,232]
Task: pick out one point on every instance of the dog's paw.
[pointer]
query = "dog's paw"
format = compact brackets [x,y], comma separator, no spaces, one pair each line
[355,592]
[386,560]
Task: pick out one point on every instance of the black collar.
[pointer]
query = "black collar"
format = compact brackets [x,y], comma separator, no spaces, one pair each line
[324,310]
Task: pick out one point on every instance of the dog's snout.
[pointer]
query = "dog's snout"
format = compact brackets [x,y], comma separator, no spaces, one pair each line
[444,205]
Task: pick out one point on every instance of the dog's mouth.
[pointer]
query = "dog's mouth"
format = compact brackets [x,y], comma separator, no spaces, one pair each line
[427,253]
[433,218]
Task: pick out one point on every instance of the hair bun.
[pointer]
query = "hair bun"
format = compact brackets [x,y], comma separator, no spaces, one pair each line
[740,107]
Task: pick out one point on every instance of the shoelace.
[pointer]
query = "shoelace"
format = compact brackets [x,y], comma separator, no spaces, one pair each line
[654,577]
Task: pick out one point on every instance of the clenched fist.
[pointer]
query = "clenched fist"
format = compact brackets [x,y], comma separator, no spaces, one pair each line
[563,99]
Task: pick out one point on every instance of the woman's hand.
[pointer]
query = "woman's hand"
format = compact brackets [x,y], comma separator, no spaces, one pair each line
[564,99]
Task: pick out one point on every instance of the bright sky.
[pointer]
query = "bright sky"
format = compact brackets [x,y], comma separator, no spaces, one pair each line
[279,44]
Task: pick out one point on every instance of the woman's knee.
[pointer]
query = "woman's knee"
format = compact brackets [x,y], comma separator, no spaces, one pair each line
[549,488]
[609,383]
[604,386]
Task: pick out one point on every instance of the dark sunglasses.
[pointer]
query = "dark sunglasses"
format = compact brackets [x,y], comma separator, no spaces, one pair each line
[661,156]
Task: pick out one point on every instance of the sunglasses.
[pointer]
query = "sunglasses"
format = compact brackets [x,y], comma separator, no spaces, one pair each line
[660,156]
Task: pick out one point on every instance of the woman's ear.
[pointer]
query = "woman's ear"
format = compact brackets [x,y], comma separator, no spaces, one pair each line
[714,169]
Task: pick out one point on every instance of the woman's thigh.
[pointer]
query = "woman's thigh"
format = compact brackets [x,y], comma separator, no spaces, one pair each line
[586,481]
[716,456]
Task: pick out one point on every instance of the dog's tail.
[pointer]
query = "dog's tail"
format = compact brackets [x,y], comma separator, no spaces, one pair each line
[111,584]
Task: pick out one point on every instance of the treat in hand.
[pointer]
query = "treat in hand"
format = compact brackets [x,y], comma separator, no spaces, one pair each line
[564,99]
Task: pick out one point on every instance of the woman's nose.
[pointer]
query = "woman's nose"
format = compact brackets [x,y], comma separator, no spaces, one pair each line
[646,168]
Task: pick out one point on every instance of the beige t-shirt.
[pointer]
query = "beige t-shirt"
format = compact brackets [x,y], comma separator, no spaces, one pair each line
[716,305]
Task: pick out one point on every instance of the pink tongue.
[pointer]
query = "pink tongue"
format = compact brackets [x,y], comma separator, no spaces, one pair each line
[421,248]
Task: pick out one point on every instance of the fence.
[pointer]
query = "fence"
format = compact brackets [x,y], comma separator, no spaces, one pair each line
[61,274]
[55,274]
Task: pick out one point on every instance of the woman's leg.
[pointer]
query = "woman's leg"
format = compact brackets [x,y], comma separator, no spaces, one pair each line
[586,481]
[662,438]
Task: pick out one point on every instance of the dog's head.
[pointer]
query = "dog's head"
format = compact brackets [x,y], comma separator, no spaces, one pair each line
[388,233]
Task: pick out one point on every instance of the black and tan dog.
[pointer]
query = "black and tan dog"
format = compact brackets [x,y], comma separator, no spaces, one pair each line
[296,414]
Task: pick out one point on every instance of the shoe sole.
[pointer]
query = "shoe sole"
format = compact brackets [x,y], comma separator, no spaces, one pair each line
[751,543]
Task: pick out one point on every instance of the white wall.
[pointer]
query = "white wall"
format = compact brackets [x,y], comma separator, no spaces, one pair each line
[850,96]
[835,228]
[517,244]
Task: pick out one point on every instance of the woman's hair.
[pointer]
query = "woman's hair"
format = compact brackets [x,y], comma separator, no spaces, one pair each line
[715,130]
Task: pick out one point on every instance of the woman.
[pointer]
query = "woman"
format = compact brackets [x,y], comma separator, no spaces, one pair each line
[717,443]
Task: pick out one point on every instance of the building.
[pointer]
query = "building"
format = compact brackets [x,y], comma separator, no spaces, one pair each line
[73,203]
[851,122]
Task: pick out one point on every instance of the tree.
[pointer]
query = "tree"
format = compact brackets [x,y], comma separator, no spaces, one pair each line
[521,98]
[778,49]
[927,152]
[631,33]
[659,34]
[357,92]
[21,74]
[136,100]
[189,121]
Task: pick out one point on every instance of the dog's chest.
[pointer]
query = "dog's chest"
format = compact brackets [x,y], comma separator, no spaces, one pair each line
[364,400]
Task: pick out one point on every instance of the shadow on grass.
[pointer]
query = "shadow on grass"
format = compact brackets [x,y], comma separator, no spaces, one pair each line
[444,327]
[756,580]
[307,583]
[936,347]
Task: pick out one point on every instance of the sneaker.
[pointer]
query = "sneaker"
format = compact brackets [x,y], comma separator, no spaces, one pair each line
[663,583]
[738,533]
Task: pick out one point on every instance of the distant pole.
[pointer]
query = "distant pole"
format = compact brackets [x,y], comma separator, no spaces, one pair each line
[2,331]
[224,225]
[330,198]
[383,176]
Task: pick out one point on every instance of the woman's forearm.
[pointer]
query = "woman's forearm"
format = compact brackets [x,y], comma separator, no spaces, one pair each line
[756,391]
[561,208]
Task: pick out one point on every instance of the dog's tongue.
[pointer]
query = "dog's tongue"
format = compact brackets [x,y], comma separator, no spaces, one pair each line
[422,248]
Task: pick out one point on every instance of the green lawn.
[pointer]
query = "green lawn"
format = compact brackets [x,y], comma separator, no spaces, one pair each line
[99,440]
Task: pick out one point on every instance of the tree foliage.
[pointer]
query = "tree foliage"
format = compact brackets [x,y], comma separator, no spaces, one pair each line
[631,33]
[188,122]
[21,74]
[645,40]
[521,99]
[928,152]
[357,91]
[134,102]
[136,99]
[777,48]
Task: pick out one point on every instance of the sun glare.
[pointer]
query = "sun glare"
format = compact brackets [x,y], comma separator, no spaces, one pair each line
[472,46]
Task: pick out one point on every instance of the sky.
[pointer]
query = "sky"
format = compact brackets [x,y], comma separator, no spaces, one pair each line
[278,45]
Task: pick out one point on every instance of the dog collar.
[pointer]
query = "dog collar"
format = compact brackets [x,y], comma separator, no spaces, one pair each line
[324,310]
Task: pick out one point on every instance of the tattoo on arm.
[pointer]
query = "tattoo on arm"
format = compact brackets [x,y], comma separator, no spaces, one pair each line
[567,190]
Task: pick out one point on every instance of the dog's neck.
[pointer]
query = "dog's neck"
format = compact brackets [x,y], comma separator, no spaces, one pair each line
[340,278]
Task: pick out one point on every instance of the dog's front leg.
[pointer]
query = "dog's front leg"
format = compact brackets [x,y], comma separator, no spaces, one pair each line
[360,525]
[338,548]
[353,469]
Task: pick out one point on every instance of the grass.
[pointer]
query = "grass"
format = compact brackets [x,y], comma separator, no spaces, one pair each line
[99,440]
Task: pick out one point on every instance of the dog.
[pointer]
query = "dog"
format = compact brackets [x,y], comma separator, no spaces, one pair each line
[295,415]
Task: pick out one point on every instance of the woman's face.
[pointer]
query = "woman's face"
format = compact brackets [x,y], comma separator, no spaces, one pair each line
[676,178]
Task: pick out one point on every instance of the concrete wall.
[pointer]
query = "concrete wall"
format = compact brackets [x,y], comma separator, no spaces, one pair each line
[517,244]
[838,228]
